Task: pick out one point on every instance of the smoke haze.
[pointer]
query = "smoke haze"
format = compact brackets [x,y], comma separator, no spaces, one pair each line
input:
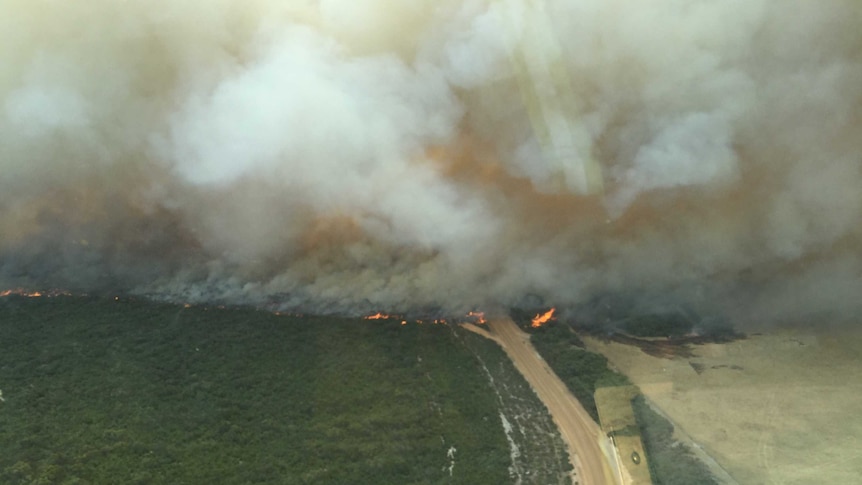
[346,156]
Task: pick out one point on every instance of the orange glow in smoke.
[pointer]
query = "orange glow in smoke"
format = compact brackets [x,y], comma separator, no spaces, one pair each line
[479,316]
[543,318]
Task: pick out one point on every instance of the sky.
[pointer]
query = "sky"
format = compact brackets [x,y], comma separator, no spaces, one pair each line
[351,156]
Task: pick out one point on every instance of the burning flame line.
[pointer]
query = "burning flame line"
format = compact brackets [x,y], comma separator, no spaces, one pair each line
[33,294]
[378,316]
[405,321]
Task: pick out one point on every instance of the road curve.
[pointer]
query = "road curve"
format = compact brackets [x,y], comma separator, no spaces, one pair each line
[580,433]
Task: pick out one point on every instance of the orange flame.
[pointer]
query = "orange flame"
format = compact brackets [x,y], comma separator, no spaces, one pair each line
[378,316]
[543,318]
[479,316]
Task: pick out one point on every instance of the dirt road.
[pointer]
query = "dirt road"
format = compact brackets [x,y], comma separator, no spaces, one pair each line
[580,433]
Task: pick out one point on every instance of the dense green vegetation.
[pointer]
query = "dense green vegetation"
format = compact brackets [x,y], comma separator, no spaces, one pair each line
[581,370]
[134,392]
[671,462]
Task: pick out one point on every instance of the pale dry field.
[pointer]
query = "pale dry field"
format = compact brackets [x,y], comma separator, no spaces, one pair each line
[779,408]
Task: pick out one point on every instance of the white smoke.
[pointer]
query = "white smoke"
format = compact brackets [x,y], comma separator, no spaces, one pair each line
[344,156]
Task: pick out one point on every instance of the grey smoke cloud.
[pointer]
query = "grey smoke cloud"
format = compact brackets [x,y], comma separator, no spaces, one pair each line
[348,156]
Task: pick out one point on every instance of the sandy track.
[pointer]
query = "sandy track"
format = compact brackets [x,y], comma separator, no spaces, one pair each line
[580,433]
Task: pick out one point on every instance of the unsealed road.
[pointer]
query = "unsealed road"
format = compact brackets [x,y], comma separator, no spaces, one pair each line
[580,433]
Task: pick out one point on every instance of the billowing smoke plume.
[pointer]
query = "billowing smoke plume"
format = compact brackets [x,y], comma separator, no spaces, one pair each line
[351,155]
